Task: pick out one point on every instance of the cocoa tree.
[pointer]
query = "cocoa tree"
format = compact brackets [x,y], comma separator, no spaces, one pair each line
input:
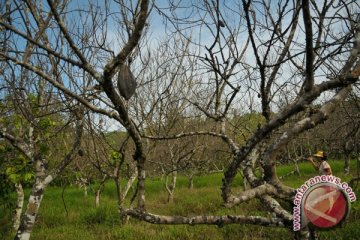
[277,53]
[78,56]
[254,53]
[34,121]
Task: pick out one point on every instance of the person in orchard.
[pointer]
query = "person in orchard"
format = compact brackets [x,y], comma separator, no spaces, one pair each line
[320,163]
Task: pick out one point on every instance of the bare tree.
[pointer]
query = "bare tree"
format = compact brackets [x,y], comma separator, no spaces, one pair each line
[109,155]
[293,37]
[254,53]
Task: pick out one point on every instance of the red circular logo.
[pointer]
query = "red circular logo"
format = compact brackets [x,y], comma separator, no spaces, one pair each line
[325,206]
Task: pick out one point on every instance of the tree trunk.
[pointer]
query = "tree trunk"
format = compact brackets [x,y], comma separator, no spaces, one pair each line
[19,205]
[97,198]
[171,189]
[129,183]
[296,167]
[118,189]
[121,194]
[42,180]
[141,186]
[348,148]
[85,191]
[245,184]
[346,164]
[99,190]
[29,217]
[191,181]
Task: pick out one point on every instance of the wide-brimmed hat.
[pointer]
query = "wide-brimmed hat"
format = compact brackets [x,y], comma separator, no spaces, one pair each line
[319,154]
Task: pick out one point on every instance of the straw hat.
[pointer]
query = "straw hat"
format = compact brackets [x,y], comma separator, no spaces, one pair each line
[319,154]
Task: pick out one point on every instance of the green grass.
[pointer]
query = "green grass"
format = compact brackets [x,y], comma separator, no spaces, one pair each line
[83,221]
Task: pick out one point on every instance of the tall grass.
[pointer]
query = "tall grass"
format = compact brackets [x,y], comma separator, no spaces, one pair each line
[83,221]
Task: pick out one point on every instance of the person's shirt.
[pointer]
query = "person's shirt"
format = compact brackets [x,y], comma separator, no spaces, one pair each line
[322,168]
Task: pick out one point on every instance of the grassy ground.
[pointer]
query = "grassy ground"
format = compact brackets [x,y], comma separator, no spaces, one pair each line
[83,221]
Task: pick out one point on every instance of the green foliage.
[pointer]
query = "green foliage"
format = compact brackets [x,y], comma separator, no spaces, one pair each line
[17,169]
[14,169]
[18,121]
[47,138]
[6,189]
[115,157]
[47,123]
[44,148]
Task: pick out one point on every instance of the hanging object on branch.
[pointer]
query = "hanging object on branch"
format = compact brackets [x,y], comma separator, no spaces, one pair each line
[126,82]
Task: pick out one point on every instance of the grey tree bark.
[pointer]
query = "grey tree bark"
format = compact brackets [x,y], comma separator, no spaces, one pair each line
[19,205]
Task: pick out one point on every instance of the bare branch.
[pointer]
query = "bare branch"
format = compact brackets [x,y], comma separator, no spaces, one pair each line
[247,195]
[208,220]
[309,69]
[17,143]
